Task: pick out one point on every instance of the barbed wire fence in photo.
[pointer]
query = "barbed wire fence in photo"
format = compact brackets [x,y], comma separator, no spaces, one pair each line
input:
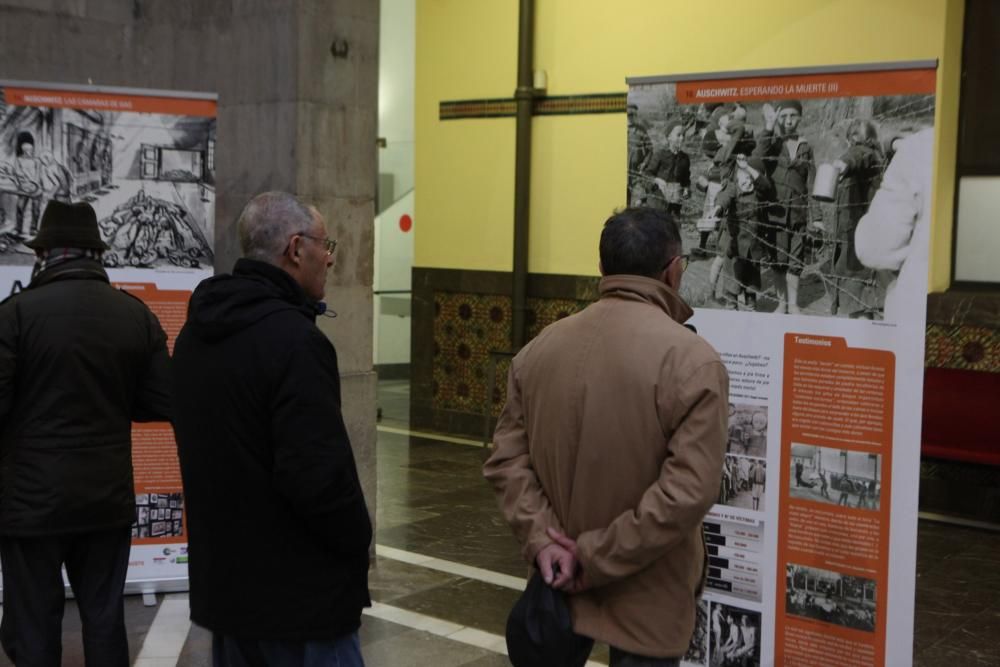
[825,288]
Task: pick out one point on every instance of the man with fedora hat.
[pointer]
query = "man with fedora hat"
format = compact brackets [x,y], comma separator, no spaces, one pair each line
[79,362]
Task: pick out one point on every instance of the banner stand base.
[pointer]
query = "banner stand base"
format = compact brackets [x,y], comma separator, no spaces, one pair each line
[148,588]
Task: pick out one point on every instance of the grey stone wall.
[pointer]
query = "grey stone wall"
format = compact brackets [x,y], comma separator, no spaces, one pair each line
[292,116]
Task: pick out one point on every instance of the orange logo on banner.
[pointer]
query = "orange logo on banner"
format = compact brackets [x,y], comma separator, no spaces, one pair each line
[63,99]
[847,84]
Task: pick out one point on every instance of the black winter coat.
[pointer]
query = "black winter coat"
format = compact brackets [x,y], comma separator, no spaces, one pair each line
[79,361]
[278,527]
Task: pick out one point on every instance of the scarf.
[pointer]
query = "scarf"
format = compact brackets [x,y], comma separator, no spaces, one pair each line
[46,258]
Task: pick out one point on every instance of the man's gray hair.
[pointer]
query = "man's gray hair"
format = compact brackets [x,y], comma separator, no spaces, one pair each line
[267,223]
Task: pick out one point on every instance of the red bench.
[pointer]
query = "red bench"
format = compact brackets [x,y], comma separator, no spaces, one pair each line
[961,420]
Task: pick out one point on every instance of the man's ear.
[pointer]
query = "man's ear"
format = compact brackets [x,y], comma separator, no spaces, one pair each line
[673,273]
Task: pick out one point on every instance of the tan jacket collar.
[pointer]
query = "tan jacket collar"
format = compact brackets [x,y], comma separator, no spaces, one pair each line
[639,288]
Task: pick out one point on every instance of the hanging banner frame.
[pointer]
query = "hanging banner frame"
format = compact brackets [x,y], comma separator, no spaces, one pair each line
[145,160]
[812,546]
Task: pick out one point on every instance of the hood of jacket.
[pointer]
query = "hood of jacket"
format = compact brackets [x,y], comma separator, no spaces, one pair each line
[226,304]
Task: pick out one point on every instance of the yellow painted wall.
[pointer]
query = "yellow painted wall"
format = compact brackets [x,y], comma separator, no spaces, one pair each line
[467,49]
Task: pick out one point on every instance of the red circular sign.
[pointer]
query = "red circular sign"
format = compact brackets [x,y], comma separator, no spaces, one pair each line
[405,222]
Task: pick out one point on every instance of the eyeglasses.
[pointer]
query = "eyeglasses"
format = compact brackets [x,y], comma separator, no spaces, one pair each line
[684,261]
[330,244]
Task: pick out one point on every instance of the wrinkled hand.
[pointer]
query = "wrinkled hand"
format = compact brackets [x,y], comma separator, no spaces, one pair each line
[556,564]
[578,583]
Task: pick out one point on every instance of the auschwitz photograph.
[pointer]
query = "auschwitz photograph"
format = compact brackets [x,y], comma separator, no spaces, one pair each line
[836,476]
[830,597]
[735,636]
[769,194]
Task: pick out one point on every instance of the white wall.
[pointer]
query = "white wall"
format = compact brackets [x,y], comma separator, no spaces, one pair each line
[393,261]
[394,247]
[397,47]
[978,231]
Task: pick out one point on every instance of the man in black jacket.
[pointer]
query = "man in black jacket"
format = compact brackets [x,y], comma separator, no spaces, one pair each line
[79,362]
[279,529]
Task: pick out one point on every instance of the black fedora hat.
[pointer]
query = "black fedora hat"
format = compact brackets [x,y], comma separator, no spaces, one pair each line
[68,226]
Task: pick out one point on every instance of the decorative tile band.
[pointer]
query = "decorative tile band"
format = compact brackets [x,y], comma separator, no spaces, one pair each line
[556,105]
[495,108]
[468,328]
[461,323]
[970,348]
[580,104]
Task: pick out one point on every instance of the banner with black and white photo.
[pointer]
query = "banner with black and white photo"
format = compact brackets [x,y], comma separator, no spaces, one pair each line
[145,161]
[804,201]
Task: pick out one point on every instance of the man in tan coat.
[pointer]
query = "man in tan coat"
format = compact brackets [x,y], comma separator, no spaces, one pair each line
[609,450]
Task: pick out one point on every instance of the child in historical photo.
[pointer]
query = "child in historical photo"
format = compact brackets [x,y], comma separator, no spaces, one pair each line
[743,204]
[670,171]
[795,251]
[788,159]
[860,169]
[713,137]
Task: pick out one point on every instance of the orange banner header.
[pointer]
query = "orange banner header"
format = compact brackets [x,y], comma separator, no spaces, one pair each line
[807,86]
[61,99]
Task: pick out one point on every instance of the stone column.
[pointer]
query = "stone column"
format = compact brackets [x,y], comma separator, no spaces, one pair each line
[294,114]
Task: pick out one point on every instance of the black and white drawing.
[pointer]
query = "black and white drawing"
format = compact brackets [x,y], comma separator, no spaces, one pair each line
[836,476]
[149,177]
[743,482]
[735,636]
[831,597]
[769,195]
[154,516]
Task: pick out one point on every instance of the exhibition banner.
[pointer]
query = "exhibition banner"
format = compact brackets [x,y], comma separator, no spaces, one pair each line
[145,160]
[804,201]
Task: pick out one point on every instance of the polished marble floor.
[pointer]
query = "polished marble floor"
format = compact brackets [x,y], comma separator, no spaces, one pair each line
[447,571]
